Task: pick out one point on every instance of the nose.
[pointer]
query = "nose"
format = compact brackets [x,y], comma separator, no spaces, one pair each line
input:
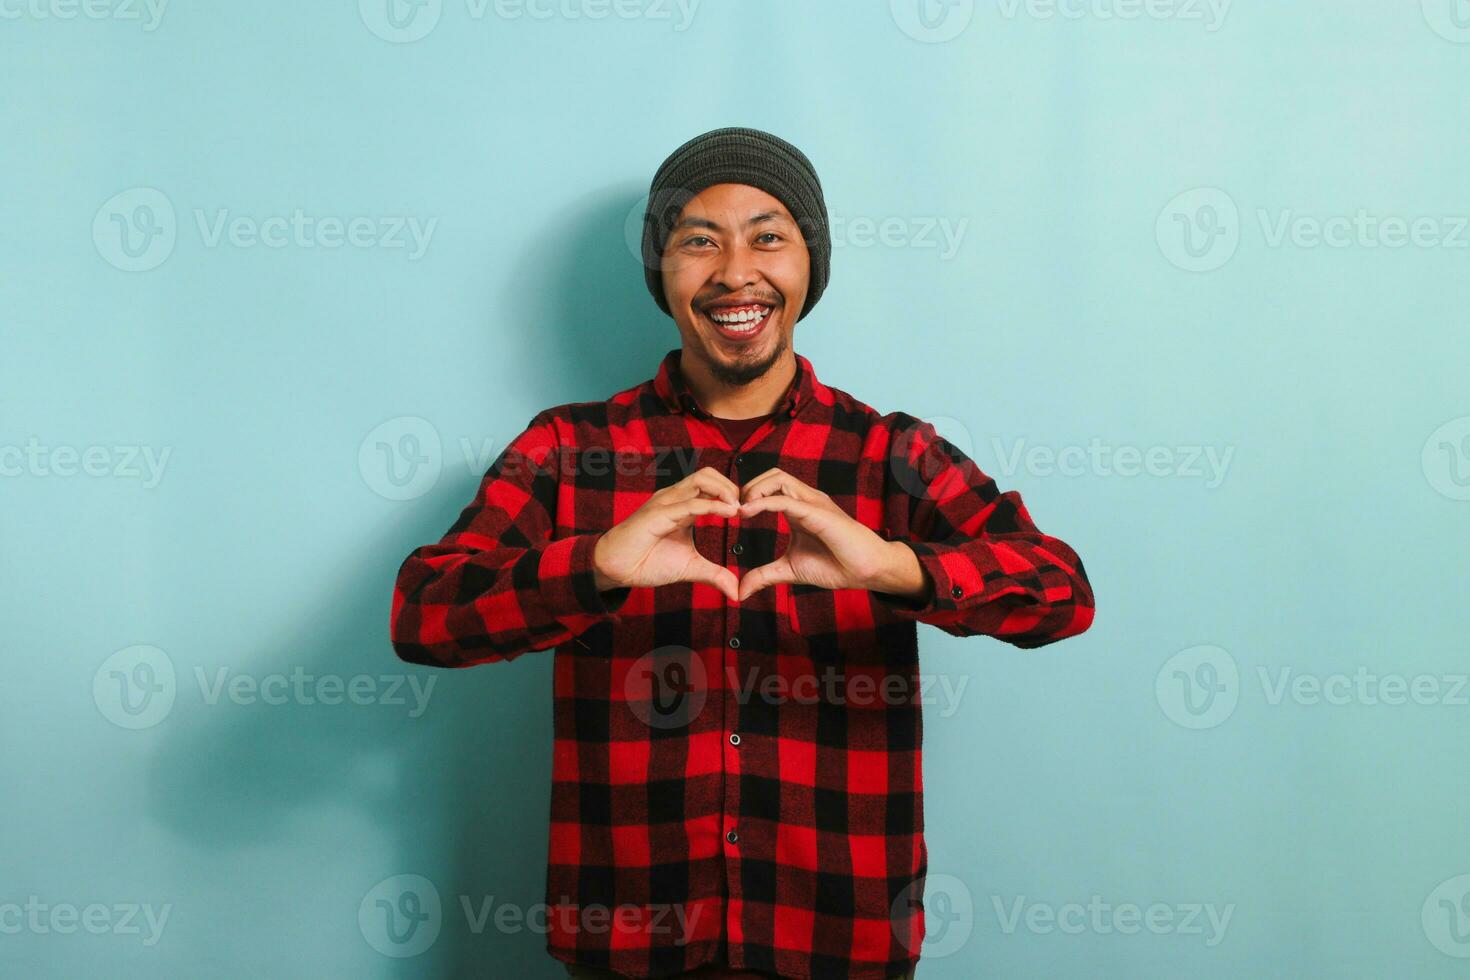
[738,268]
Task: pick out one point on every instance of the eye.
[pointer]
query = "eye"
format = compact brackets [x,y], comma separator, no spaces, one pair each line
[696,238]
[768,234]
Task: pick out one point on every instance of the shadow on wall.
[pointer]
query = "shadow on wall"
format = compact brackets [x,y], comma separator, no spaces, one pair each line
[464,789]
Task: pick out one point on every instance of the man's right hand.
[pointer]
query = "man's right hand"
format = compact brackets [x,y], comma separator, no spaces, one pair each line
[655,544]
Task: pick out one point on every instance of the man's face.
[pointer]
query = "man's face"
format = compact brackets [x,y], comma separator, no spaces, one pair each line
[735,273]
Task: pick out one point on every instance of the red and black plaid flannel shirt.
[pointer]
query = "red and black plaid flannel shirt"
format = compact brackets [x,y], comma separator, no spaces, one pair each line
[732,781]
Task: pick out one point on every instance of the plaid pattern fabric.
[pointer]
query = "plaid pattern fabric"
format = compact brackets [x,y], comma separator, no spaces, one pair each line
[739,781]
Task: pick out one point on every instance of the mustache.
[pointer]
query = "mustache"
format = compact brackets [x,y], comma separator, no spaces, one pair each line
[771,301]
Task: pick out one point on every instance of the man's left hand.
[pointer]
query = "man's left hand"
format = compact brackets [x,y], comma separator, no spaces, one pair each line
[828,548]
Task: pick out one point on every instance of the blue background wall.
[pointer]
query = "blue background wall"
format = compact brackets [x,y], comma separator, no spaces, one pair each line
[1211,261]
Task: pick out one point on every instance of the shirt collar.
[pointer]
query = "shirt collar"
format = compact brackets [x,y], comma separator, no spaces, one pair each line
[677,397]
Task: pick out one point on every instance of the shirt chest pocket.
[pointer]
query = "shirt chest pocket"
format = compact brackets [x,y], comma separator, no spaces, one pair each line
[824,624]
[837,626]
[807,608]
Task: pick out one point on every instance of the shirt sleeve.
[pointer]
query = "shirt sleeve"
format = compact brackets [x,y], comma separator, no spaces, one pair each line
[994,572]
[497,585]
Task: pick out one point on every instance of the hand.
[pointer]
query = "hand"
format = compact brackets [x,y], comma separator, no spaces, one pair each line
[655,544]
[828,548]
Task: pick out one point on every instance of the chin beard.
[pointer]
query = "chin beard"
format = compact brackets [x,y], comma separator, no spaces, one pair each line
[743,372]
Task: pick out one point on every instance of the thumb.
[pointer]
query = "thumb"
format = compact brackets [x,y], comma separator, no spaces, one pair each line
[721,578]
[773,573]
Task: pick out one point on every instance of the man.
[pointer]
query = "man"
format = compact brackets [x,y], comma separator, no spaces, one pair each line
[729,560]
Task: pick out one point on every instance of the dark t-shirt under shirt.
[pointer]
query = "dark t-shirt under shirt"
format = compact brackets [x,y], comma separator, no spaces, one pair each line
[738,430]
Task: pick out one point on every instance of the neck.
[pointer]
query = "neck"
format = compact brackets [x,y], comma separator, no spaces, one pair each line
[759,397]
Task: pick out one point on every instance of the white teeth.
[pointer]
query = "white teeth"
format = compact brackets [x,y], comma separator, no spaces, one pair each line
[742,322]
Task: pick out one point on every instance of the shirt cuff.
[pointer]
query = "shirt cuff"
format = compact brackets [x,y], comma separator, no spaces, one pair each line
[947,595]
[568,585]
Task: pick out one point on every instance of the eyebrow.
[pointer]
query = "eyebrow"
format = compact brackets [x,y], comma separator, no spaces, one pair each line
[755,219]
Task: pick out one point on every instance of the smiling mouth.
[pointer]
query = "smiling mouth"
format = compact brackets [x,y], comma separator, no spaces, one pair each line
[739,323]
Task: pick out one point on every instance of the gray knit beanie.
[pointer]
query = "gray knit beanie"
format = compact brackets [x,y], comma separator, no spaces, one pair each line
[735,155]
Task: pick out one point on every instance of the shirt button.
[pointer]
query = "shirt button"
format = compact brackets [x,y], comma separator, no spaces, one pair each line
[735,641]
[734,738]
[739,549]
[732,837]
[739,460]
[956,591]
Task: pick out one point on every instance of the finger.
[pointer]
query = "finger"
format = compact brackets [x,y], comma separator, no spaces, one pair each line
[723,579]
[705,481]
[781,482]
[759,477]
[799,512]
[756,579]
[682,513]
[707,489]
